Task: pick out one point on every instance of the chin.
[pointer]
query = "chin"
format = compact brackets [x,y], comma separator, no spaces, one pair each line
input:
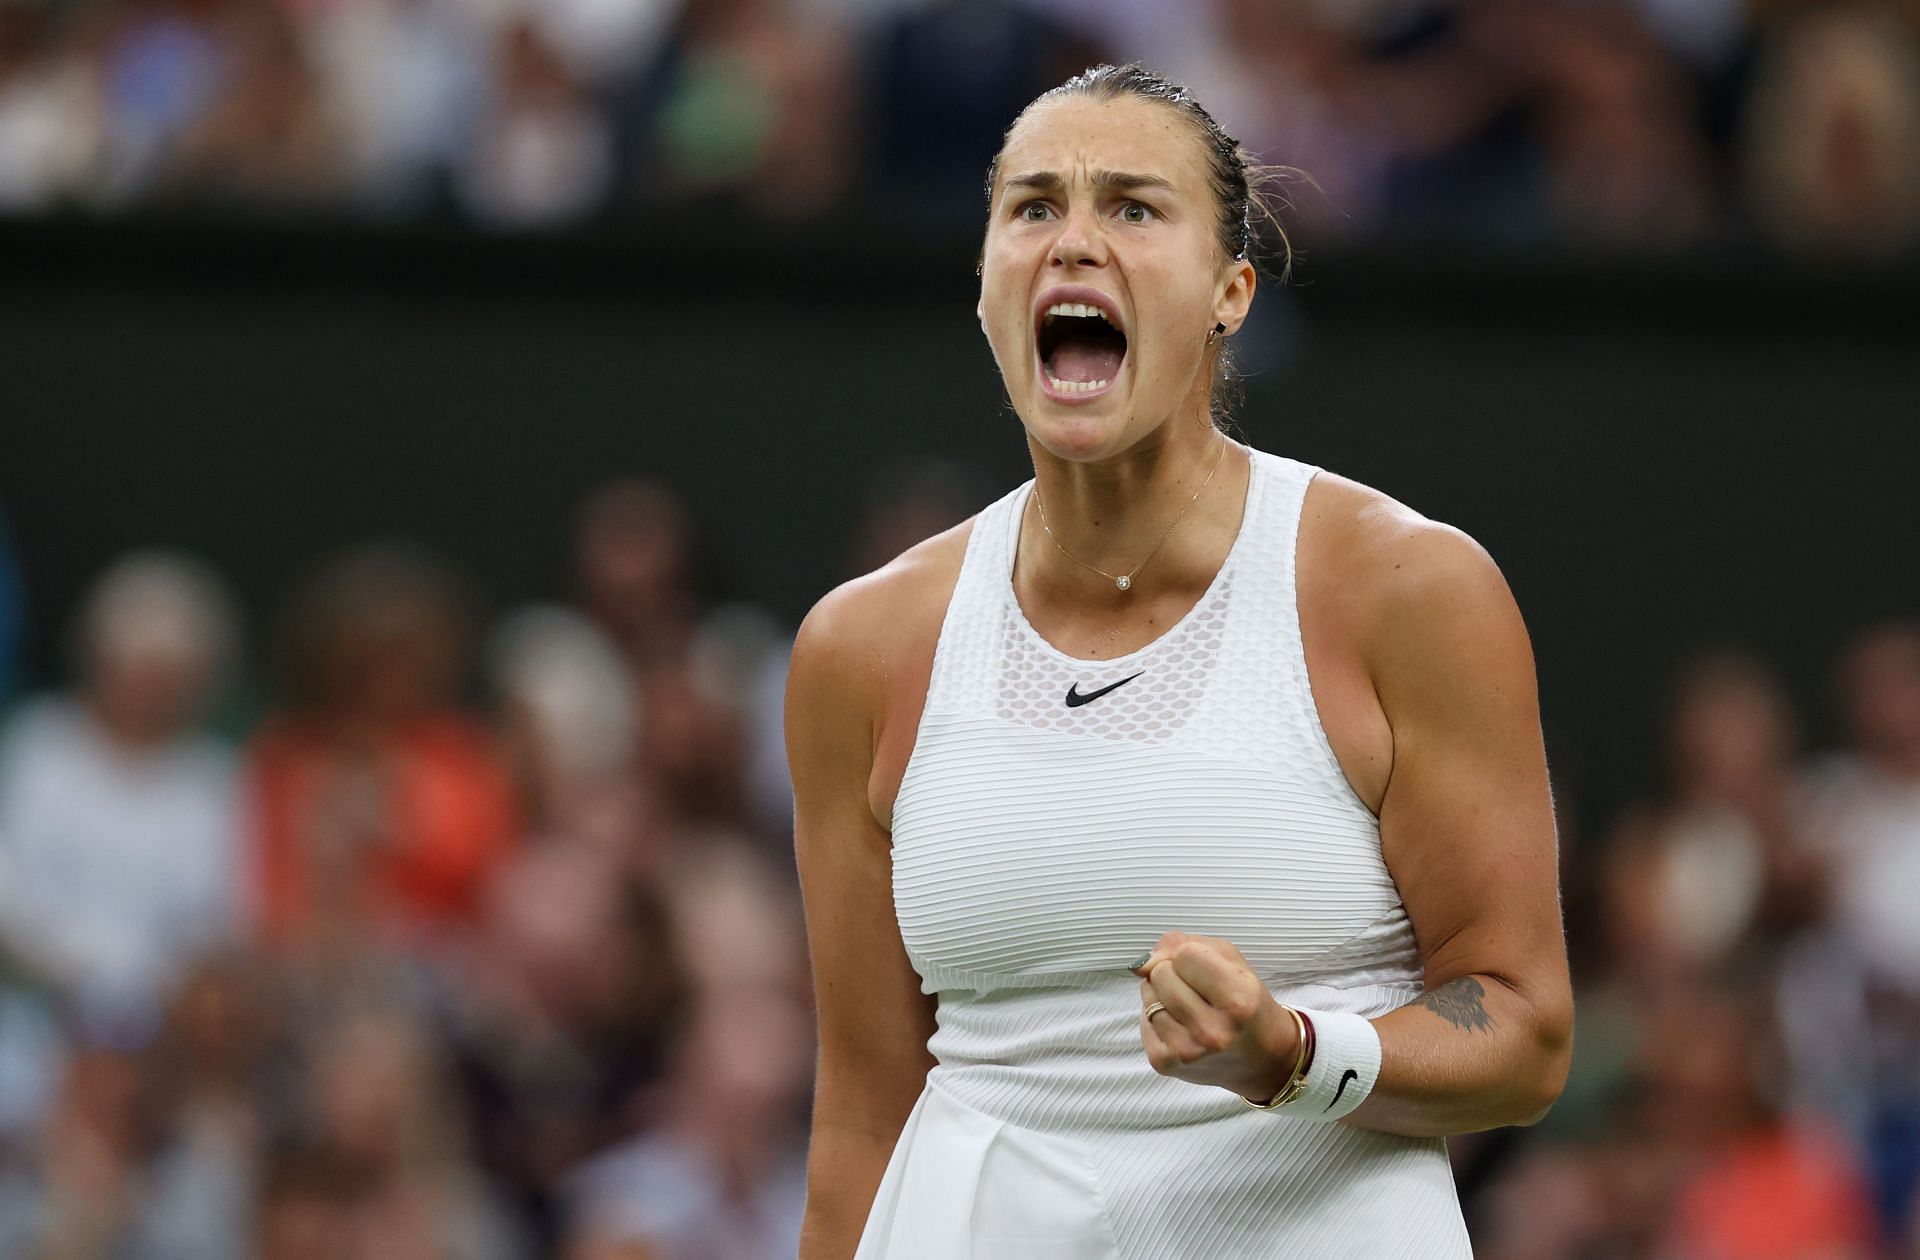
[1080,434]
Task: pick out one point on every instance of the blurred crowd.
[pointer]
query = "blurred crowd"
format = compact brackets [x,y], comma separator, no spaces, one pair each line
[407,933]
[1659,123]
[1746,1083]
[481,938]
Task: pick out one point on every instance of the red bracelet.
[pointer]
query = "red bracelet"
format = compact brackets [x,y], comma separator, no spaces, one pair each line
[1303,1055]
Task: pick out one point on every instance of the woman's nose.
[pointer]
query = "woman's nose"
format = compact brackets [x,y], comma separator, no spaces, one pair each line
[1080,242]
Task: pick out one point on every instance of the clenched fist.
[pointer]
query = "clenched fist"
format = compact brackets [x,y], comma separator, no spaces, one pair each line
[1220,1026]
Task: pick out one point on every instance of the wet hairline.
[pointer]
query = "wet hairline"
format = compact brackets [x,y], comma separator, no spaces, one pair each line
[997,185]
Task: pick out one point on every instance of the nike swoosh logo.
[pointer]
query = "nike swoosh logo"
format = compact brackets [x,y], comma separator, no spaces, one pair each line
[1075,699]
[1348,1075]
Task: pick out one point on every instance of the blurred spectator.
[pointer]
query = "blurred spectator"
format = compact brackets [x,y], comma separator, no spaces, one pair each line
[1871,803]
[690,745]
[722,1173]
[634,555]
[1306,95]
[266,136]
[1865,1061]
[118,821]
[741,656]
[1693,878]
[50,111]
[1617,126]
[380,1109]
[1752,1187]
[1709,879]
[751,101]
[736,916]
[205,1083]
[718,1171]
[381,808]
[1697,1163]
[403,81]
[1832,144]
[543,151]
[163,65]
[570,712]
[559,1020]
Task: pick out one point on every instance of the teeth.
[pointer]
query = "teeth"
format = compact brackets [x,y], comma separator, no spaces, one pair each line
[1076,310]
[1076,387]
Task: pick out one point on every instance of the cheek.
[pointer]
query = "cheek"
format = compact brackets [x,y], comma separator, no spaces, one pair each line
[1176,327]
[1005,315]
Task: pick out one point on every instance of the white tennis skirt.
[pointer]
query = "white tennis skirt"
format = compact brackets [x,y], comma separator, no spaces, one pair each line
[964,1185]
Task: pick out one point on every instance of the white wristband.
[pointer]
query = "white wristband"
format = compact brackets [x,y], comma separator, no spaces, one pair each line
[1346,1063]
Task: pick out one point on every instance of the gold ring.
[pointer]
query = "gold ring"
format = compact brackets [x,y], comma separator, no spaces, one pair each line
[1155,1009]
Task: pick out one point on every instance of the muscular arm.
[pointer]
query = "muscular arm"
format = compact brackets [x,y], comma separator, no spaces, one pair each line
[1467,828]
[873,1020]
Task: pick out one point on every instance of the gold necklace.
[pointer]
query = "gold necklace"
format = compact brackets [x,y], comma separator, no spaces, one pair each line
[1125,580]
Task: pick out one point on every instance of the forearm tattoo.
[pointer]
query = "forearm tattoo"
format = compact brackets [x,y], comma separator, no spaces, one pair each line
[1459,1003]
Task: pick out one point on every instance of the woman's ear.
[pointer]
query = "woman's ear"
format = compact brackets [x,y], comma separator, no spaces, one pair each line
[1236,296]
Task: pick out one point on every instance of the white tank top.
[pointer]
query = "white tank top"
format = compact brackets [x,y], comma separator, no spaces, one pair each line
[1057,815]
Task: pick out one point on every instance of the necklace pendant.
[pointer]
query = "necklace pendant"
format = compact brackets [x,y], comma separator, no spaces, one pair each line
[1123,581]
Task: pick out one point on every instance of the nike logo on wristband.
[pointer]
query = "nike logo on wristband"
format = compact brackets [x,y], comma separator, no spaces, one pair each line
[1348,1075]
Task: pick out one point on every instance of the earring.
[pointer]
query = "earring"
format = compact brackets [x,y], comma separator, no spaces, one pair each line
[1215,334]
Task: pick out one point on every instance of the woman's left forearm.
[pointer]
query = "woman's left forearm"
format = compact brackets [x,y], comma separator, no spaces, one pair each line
[1476,1052]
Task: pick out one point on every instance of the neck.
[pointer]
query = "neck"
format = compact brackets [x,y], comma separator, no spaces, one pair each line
[1114,514]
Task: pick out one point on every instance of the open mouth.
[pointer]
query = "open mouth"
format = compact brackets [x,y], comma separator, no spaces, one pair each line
[1080,348]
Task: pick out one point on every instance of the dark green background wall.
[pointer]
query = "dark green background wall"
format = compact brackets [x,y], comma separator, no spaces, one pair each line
[1662,454]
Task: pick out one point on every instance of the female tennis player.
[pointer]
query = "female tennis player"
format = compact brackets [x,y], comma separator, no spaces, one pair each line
[1175,833]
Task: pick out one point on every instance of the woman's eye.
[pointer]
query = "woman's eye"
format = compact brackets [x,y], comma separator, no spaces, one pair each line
[1134,212]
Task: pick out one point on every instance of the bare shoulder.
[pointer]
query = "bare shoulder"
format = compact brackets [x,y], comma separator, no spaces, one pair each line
[1402,576]
[863,657]
[858,627]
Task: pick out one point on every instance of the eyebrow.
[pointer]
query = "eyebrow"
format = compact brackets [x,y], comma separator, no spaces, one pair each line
[1106,181]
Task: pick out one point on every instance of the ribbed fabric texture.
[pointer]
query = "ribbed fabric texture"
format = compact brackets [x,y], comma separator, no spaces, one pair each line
[1039,848]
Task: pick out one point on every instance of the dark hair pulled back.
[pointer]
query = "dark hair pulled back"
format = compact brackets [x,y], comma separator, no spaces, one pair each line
[1237,180]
